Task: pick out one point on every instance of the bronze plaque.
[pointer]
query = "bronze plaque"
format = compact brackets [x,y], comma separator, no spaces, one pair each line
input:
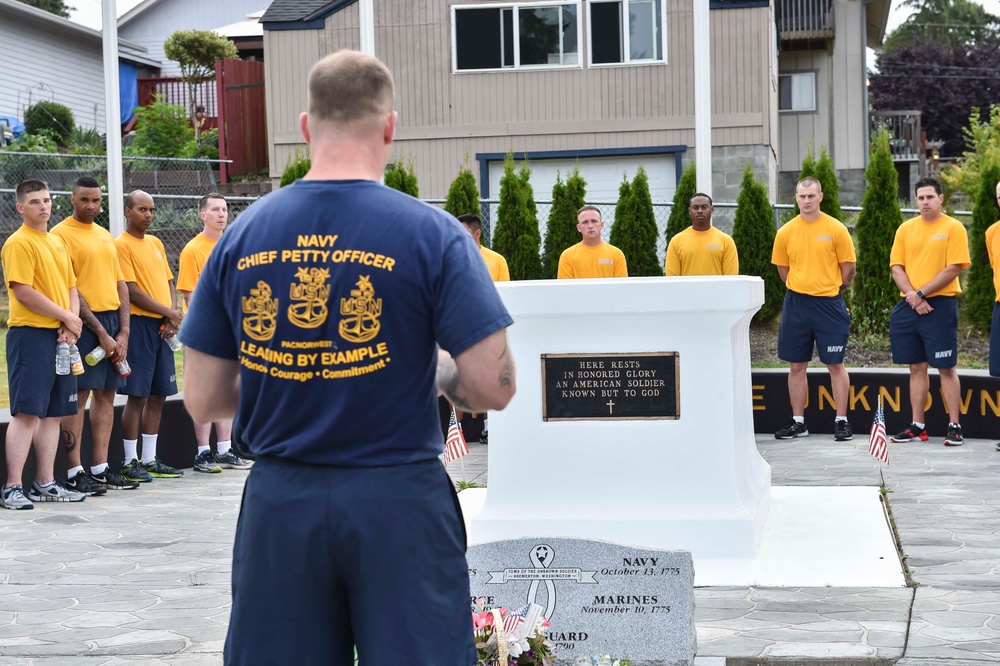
[610,387]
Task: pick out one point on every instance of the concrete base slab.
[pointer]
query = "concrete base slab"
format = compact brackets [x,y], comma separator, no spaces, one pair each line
[814,537]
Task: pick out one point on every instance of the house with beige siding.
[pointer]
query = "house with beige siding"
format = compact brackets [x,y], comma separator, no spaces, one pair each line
[605,85]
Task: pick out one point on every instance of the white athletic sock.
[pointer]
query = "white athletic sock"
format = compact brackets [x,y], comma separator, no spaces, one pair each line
[130,446]
[202,449]
[799,419]
[840,418]
[223,446]
[70,473]
[486,425]
[919,425]
[98,469]
[148,448]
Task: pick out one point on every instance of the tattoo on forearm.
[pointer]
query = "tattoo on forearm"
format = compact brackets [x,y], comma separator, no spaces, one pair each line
[68,440]
[88,318]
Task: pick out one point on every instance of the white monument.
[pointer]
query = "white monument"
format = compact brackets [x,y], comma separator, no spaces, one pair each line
[633,419]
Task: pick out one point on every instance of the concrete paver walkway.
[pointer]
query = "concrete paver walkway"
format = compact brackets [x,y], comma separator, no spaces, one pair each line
[142,577]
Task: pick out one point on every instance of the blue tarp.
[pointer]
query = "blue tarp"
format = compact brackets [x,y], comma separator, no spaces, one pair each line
[128,89]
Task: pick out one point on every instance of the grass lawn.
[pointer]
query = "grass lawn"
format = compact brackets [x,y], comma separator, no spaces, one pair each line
[5,396]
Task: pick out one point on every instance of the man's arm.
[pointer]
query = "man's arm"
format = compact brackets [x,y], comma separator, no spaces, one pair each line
[211,386]
[782,273]
[902,281]
[672,266]
[124,322]
[41,304]
[479,379]
[91,322]
[847,271]
[147,302]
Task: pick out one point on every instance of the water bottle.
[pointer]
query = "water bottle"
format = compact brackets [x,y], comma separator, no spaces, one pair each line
[75,362]
[172,342]
[62,359]
[124,369]
[95,356]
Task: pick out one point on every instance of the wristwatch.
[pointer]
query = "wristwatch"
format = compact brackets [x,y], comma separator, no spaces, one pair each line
[920,295]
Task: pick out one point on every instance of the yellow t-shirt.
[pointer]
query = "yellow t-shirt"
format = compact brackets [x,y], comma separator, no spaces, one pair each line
[95,262]
[923,249]
[709,252]
[40,260]
[813,252]
[495,264]
[993,248]
[599,261]
[144,261]
[193,258]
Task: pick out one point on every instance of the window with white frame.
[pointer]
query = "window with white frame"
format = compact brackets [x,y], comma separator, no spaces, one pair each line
[517,35]
[626,31]
[797,92]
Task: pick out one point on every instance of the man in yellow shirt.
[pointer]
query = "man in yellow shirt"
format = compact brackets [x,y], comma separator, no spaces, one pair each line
[701,249]
[154,319]
[591,257]
[104,309]
[214,213]
[43,313]
[993,249]
[497,266]
[927,256]
[814,255]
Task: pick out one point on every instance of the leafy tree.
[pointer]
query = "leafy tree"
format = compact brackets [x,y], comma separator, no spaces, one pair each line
[400,176]
[196,52]
[874,292]
[753,233]
[687,186]
[463,195]
[51,116]
[560,233]
[962,78]
[982,140]
[827,177]
[297,167]
[57,7]
[635,233]
[517,237]
[957,23]
[980,293]
[808,171]
[162,130]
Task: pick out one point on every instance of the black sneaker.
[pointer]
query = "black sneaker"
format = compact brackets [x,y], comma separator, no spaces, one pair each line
[484,438]
[132,470]
[842,431]
[998,446]
[792,430]
[114,481]
[954,437]
[911,433]
[82,483]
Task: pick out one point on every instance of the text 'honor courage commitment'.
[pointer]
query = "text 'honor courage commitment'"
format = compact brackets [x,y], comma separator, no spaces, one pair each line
[319,251]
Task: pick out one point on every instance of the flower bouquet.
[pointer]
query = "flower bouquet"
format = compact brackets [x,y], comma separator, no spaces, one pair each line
[511,638]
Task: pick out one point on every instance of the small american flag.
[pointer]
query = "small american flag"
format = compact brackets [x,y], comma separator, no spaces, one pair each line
[876,441]
[514,619]
[454,445]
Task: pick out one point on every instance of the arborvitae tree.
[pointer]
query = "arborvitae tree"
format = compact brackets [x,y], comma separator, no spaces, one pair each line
[516,236]
[561,233]
[400,176]
[827,177]
[679,219]
[297,167]
[636,234]
[753,233]
[808,169]
[874,292]
[463,195]
[624,207]
[980,293]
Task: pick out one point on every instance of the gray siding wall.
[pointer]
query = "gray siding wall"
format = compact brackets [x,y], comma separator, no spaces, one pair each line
[152,27]
[51,64]
[445,116]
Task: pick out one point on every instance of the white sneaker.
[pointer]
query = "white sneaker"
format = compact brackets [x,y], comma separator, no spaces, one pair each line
[13,498]
[54,492]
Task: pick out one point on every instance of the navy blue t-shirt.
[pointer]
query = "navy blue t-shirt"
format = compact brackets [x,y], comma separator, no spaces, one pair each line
[333,297]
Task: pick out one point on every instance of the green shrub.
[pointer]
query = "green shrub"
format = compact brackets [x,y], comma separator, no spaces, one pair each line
[400,176]
[560,232]
[874,293]
[86,141]
[43,142]
[50,116]
[680,219]
[634,231]
[297,167]
[980,293]
[827,177]
[753,233]
[463,195]
[162,130]
[517,236]
[208,144]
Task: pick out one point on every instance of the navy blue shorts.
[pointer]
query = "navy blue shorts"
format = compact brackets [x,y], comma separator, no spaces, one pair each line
[995,342]
[153,369]
[327,558]
[34,386]
[808,320]
[104,375]
[931,338]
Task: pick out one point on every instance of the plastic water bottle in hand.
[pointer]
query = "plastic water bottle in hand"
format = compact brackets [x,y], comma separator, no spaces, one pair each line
[95,356]
[172,342]
[62,359]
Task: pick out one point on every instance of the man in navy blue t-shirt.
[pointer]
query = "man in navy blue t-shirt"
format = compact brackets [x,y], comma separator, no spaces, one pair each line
[317,322]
